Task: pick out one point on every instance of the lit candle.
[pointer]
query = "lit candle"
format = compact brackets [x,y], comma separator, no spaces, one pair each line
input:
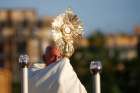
[95,68]
[23,61]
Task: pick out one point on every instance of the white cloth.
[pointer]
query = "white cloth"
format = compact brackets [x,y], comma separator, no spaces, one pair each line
[56,78]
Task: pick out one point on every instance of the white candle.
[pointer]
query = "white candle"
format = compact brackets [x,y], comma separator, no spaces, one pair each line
[25,80]
[95,68]
[23,60]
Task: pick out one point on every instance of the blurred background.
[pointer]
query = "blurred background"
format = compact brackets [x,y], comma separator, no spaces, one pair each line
[112,36]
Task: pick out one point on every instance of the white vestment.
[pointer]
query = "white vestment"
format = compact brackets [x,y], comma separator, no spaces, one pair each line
[58,77]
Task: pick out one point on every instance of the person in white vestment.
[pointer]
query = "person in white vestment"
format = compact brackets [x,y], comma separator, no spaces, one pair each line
[55,75]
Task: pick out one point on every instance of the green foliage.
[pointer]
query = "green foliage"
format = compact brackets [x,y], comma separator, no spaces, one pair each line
[16,87]
[118,76]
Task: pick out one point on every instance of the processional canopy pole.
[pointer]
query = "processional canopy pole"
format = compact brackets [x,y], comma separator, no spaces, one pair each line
[23,62]
[95,68]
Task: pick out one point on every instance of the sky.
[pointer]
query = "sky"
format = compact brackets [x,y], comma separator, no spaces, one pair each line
[105,15]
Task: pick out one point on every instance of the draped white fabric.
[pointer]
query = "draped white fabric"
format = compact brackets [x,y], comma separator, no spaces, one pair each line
[56,78]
